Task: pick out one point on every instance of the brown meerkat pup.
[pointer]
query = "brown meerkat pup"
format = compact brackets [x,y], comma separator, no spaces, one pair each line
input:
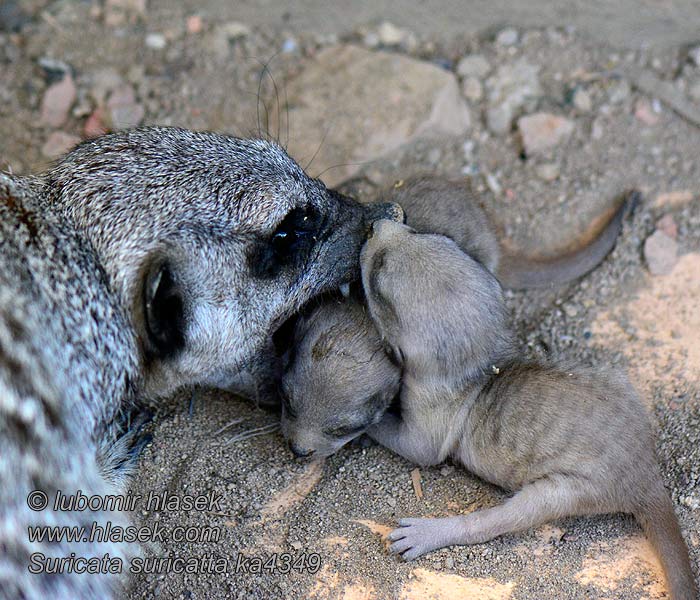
[337,378]
[567,440]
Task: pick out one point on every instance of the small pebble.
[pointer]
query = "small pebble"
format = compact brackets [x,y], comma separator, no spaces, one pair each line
[123,110]
[547,171]
[156,41]
[668,226]
[619,92]
[194,24]
[493,184]
[499,119]
[542,131]
[507,37]
[95,124]
[644,112]
[57,101]
[296,545]
[289,45]
[472,89]
[660,253]
[582,100]
[390,35]
[473,65]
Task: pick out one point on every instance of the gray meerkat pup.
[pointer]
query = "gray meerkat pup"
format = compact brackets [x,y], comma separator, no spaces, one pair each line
[567,440]
[336,381]
[141,262]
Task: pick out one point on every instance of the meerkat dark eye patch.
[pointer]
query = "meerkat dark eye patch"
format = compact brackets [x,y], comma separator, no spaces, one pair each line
[289,244]
[163,311]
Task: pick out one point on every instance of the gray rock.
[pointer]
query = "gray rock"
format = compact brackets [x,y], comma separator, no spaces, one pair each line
[336,96]
[473,65]
[542,131]
[660,253]
[57,101]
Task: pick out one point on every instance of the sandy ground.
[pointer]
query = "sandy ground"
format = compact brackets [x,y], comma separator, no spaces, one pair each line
[329,519]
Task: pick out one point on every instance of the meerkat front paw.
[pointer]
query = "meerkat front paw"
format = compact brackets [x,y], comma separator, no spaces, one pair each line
[414,537]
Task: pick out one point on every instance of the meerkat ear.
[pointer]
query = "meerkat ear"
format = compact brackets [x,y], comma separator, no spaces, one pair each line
[163,310]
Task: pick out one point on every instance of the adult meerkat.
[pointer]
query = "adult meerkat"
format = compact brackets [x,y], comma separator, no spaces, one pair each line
[141,262]
[567,440]
[338,381]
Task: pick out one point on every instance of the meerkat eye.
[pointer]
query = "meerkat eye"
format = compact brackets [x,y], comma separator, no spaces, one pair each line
[289,244]
[297,227]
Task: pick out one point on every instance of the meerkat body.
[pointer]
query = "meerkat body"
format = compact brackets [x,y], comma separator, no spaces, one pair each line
[567,440]
[140,263]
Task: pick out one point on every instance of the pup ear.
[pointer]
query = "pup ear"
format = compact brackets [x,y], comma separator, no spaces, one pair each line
[163,311]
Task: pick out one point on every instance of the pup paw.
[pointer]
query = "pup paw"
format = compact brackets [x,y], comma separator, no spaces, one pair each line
[415,537]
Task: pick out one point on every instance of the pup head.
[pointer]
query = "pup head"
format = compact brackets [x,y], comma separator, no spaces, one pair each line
[210,242]
[440,311]
[339,380]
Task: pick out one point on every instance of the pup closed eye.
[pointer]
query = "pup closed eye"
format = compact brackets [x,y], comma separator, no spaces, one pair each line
[344,431]
[287,406]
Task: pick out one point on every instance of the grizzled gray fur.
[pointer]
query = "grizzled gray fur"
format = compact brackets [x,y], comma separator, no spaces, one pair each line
[566,440]
[142,262]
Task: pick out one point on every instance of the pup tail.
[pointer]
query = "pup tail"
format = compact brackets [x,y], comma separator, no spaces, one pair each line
[656,516]
[520,272]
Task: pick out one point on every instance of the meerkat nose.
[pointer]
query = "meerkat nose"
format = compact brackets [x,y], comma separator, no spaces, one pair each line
[300,452]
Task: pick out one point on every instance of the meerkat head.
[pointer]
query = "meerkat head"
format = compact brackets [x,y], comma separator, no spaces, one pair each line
[338,381]
[440,312]
[210,242]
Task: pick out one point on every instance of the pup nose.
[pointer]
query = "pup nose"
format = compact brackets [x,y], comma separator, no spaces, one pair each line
[300,452]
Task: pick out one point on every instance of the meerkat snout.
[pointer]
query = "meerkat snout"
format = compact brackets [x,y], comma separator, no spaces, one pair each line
[299,451]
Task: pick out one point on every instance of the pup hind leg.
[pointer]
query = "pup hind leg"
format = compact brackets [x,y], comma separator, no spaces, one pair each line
[537,503]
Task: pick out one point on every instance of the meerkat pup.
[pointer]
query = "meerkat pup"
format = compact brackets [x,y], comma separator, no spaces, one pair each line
[567,440]
[335,384]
